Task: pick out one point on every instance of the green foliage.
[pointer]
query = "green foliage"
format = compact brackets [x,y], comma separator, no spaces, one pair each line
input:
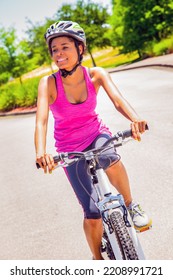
[13,95]
[7,50]
[116,22]
[4,78]
[137,23]
[37,43]
[163,47]
[7,98]
[14,57]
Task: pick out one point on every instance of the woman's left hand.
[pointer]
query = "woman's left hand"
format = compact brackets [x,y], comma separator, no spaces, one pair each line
[138,127]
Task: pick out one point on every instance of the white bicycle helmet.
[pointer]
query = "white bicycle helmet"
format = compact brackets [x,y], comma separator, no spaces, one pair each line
[65,28]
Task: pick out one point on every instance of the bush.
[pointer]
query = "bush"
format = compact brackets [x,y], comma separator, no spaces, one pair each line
[13,95]
[31,88]
[163,47]
[160,48]
[4,77]
[7,98]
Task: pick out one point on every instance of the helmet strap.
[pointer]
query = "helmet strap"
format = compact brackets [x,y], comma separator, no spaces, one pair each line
[64,73]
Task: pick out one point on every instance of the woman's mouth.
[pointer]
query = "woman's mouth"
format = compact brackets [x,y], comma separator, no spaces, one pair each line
[62,59]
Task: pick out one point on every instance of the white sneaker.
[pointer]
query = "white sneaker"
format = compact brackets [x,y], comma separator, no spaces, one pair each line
[140,219]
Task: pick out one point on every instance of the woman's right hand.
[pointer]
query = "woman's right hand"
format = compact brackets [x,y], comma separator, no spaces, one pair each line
[46,162]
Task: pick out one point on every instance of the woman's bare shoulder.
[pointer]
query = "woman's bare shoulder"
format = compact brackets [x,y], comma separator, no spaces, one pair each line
[47,87]
[48,79]
[98,72]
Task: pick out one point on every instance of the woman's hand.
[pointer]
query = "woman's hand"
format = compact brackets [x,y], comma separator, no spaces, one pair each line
[46,162]
[138,127]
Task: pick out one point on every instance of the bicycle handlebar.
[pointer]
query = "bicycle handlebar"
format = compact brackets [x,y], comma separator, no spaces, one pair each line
[120,135]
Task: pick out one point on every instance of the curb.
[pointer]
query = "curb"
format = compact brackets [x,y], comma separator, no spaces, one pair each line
[10,113]
[127,67]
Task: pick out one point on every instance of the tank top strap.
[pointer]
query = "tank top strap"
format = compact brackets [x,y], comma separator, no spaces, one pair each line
[89,84]
[59,86]
[59,82]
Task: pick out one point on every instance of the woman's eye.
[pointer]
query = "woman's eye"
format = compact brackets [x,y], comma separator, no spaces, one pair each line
[56,50]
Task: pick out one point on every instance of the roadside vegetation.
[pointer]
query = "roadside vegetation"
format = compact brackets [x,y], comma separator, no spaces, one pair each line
[14,94]
[122,33]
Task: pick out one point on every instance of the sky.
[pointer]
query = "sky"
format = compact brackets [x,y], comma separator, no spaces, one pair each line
[15,12]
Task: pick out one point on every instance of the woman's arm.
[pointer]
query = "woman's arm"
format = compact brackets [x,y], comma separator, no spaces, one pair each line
[120,103]
[42,158]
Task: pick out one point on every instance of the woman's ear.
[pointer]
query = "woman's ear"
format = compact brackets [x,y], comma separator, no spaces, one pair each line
[81,49]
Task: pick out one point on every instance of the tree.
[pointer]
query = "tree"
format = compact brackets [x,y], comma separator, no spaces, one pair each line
[4,61]
[8,47]
[13,56]
[116,22]
[23,62]
[37,43]
[92,18]
[141,22]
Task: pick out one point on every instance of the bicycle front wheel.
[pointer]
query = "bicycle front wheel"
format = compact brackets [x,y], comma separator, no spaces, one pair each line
[123,237]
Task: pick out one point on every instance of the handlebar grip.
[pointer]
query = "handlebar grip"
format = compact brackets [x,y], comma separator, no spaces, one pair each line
[56,160]
[146,127]
[128,133]
[37,165]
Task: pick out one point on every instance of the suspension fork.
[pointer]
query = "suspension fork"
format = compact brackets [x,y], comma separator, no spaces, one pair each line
[107,201]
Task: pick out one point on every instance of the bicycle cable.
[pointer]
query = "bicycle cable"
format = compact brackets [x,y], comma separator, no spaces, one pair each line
[77,173]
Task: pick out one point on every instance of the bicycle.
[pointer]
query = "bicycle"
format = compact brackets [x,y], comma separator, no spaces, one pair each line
[119,241]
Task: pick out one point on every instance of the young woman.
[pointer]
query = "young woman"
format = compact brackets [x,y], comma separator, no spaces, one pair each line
[71,94]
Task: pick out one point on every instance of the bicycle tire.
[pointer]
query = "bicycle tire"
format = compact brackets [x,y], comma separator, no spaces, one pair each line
[124,239]
[106,247]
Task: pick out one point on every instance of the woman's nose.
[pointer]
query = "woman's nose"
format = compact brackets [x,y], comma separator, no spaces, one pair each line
[59,53]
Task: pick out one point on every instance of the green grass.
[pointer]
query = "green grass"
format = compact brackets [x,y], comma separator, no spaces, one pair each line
[110,58]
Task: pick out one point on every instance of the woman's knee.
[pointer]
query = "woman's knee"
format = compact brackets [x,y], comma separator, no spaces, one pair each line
[93,223]
[116,170]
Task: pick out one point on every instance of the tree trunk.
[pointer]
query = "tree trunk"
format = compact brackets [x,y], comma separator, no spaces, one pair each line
[92,58]
[139,53]
[20,80]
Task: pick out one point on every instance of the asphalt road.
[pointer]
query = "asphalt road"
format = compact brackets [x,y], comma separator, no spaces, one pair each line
[39,215]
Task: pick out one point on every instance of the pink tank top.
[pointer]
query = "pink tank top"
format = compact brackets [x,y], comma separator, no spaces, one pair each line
[76,125]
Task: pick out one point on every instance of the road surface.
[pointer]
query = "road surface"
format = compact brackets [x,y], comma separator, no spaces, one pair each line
[39,214]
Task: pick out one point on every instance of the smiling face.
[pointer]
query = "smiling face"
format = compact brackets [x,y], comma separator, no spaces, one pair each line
[64,52]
